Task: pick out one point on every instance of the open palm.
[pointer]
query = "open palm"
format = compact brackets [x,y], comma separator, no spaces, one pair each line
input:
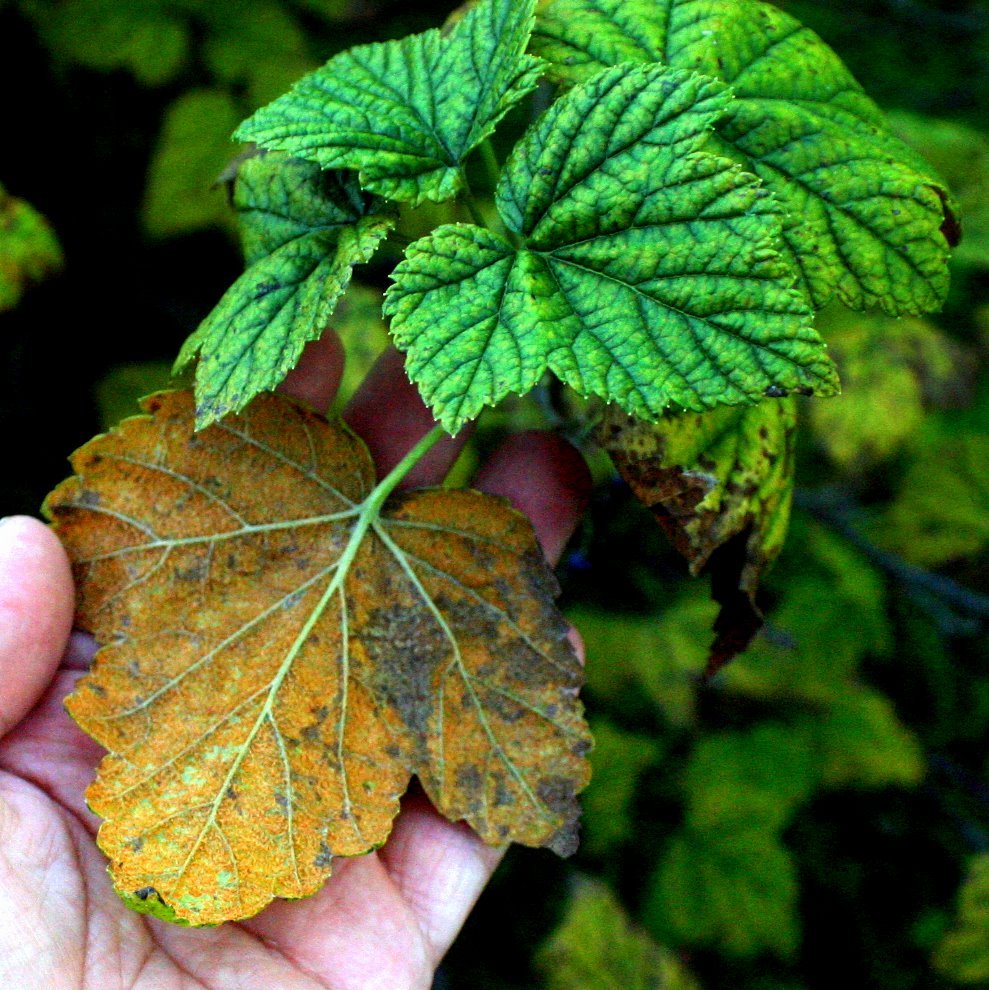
[383,920]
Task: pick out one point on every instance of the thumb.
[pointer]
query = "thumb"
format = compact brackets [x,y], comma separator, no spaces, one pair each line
[36,607]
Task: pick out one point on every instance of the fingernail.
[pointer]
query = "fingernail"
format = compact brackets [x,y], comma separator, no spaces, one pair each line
[5,520]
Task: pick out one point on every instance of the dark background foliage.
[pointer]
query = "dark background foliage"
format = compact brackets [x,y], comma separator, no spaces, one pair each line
[811,815]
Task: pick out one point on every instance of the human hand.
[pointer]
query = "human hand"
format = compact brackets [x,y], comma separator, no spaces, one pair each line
[383,920]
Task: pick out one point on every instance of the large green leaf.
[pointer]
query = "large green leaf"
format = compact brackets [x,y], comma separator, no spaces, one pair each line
[406,114]
[864,214]
[303,232]
[645,272]
[721,486]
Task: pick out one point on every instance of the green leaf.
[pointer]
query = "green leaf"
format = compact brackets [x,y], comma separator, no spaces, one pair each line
[618,761]
[941,512]
[864,214]
[963,955]
[721,486]
[406,114]
[29,250]
[596,947]
[303,232]
[863,744]
[738,780]
[891,370]
[191,152]
[736,892]
[647,273]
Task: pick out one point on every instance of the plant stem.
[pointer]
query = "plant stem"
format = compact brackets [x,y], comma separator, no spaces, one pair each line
[377,498]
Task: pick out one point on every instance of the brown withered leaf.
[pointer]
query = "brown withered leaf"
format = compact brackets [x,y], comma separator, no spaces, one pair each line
[721,486]
[270,677]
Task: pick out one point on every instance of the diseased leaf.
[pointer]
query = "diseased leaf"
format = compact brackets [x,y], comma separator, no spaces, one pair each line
[596,947]
[864,213]
[303,230]
[29,250]
[738,893]
[406,114]
[647,272]
[963,955]
[277,659]
[190,154]
[721,486]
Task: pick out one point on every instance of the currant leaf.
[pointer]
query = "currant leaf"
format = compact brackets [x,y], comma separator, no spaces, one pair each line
[646,271]
[303,231]
[406,114]
[866,218]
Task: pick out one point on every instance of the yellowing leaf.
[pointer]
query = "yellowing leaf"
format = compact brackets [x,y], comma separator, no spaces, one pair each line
[279,657]
[721,485]
[891,369]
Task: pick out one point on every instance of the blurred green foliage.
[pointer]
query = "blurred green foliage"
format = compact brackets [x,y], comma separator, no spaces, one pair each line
[811,814]
[29,250]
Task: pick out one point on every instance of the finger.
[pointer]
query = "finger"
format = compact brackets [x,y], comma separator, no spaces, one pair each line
[391,418]
[36,606]
[316,378]
[440,867]
[545,478]
[357,932]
